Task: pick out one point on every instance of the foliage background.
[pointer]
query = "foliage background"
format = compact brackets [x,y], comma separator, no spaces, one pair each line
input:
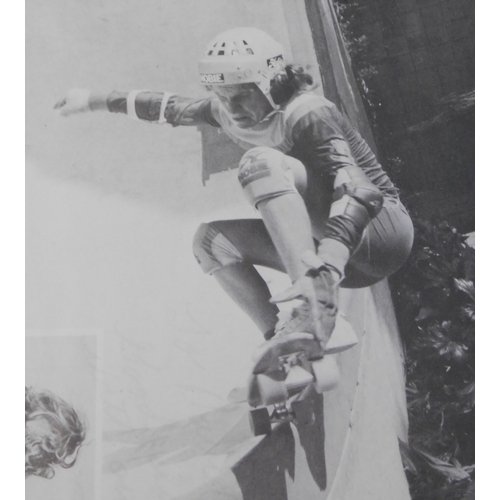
[426,131]
[434,299]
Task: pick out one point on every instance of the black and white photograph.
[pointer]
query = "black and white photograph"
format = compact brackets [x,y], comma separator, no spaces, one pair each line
[250,249]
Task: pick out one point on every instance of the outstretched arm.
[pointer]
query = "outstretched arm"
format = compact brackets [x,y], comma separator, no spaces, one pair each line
[153,107]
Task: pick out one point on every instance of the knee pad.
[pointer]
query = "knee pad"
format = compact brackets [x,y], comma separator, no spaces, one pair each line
[213,250]
[264,173]
[356,196]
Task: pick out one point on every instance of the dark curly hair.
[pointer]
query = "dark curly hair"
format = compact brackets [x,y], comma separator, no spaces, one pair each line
[291,79]
[54,433]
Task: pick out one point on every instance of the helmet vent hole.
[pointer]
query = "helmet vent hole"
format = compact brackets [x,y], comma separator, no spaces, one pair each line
[220,53]
[223,44]
[235,52]
[210,52]
[244,42]
[249,51]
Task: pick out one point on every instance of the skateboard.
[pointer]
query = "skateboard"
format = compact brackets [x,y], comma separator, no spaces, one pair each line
[287,369]
[296,410]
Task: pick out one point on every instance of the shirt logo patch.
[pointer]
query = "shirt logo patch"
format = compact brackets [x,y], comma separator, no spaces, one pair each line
[209,78]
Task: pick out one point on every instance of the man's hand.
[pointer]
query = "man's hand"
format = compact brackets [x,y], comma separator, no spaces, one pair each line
[74,102]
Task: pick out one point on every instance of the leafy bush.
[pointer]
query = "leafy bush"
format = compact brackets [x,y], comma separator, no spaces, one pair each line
[434,299]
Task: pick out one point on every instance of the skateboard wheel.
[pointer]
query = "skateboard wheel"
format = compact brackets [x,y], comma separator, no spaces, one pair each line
[298,377]
[260,423]
[271,391]
[303,412]
[326,373]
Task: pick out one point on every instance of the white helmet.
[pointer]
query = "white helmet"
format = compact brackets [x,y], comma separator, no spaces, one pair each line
[242,55]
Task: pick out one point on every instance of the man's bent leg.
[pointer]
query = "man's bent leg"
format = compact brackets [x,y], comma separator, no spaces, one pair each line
[273,182]
[269,180]
[245,286]
[228,250]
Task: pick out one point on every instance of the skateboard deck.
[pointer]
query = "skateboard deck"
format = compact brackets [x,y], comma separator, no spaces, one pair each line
[287,368]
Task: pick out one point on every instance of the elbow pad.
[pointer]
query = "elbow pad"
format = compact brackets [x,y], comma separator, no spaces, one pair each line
[356,200]
[353,183]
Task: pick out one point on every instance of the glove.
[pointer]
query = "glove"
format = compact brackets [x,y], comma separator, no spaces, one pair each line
[318,288]
[74,102]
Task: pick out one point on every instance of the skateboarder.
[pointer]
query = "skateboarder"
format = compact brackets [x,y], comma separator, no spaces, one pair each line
[330,214]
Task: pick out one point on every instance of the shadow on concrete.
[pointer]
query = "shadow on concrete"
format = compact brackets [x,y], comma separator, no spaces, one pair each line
[312,440]
[261,474]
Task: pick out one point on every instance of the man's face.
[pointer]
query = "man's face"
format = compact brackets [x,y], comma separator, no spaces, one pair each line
[245,103]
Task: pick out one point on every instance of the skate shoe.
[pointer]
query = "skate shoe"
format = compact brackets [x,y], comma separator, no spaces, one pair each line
[317,312]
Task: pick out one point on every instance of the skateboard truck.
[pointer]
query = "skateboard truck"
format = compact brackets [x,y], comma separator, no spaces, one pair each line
[287,391]
[300,412]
